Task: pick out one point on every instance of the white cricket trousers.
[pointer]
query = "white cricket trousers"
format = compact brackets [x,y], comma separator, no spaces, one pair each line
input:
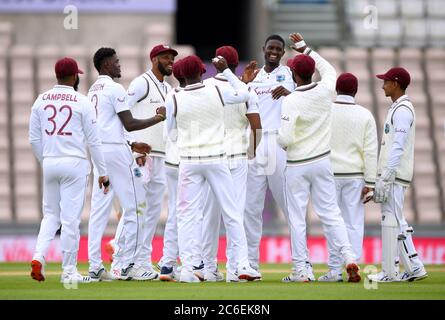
[353,212]
[65,181]
[154,195]
[124,185]
[314,179]
[192,179]
[394,206]
[170,251]
[212,218]
[266,170]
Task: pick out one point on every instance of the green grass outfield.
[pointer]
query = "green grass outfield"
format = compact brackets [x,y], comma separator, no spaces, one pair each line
[15,283]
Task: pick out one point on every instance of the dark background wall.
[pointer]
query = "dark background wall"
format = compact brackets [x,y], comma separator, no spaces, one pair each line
[209,24]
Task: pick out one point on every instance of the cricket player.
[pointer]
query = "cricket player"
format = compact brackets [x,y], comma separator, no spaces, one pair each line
[197,113]
[114,119]
[394,175]
[145,95]
[271,84]
[62,125]
[305,134]
[170,253]
[354,163]
[237,119]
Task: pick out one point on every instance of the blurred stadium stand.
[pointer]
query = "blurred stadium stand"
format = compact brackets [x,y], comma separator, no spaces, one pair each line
[410,33]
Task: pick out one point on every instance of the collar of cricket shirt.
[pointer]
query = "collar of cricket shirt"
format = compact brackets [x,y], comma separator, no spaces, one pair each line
[402,98]
[345,99]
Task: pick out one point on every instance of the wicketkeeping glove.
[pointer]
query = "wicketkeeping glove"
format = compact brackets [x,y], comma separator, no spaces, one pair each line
[383,185]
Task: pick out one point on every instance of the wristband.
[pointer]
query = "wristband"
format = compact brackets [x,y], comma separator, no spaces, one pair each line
[300,44]
[307,51]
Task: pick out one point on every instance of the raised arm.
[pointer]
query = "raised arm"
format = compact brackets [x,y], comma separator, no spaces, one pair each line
[239,92]
[327,71]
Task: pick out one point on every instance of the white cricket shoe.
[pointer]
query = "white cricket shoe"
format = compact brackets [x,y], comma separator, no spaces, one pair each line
[188,276]
[297,276]
[143,274]
[382,277]
[331,276]
[213,276]
[418,273]
[310,271]
[101,275]
[249,274]
[233,277]
[75,277]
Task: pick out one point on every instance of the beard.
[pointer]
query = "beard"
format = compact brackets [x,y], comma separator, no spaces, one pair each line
[76,84]
[163,71]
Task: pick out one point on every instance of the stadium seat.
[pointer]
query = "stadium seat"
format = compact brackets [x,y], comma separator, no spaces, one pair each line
[46,58]
[436,31]
[158,33]
[414,32]
[389,32]
[412,8]
[387,8]
[356,62]
[84,58]
[26,169]
[5,34]
[131,64]
[334,56]
[435,8]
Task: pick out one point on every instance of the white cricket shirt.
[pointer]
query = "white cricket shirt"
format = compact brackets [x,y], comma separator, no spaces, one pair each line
[353,141]
[108,98]
[197,112]
[306,117]
[62,124]
[236,124]
[263,85]
[144,95]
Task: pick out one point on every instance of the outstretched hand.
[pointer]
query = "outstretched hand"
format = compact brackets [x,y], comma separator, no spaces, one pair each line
[220,63]
[279,92]
[299,44]
[250,72]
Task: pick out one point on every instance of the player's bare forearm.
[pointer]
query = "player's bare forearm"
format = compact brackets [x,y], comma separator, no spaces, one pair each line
[132,124]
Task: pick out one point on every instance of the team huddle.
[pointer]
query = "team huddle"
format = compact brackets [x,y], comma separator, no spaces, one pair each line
[217,145]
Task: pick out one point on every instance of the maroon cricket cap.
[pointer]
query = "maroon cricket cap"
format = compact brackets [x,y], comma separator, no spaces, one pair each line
[161,49]
[303,66]
[177,69]
[229,53]
[289,62]
[66,67]
[347,83]
[397,74]
[192,66]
